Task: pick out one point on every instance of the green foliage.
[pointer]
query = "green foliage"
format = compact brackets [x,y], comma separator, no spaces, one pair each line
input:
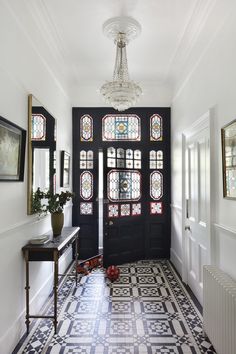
[44,202]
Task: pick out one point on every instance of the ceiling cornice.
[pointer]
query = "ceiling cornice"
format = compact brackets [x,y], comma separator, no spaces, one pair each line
[190,35]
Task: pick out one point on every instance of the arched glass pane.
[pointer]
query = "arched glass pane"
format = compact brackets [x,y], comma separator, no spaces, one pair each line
[124,185]
[156,185]
[155,128]
[38,131]
[86,128]
[86,185]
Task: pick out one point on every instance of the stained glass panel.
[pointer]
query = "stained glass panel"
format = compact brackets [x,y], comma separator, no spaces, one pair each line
[120,153]
[155,208]
[86,160]
[113,210]
[123,185]
[136,209]
[156,185]
[125,210]
[86,208]
[86,185]
[121,127]
[38,131]
[156,128]
[86,128]
[156,159]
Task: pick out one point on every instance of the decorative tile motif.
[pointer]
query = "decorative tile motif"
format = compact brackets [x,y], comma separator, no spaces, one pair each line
[117,127]
[86,128]
[136,209]
[147,311]
[125,210]
[156,208]
[113,210]
[86,208]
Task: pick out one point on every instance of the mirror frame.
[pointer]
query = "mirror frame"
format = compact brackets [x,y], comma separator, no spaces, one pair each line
[52,148]
[30,158]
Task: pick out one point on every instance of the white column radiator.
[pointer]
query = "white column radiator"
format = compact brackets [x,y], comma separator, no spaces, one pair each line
[219,309]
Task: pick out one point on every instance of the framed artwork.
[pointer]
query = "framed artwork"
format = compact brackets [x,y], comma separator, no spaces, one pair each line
[12,151]
[228,138]
[65,169]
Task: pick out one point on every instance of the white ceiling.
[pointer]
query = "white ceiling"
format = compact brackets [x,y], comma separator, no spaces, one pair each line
[84,58]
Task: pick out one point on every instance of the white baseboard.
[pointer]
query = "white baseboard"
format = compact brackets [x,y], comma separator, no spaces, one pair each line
[176,260]
[13,335]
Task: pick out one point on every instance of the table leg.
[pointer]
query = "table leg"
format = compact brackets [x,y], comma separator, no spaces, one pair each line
[55,288]
[76,259]
[27,287]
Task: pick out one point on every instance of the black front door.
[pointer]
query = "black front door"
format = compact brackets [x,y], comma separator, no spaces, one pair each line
[136,175]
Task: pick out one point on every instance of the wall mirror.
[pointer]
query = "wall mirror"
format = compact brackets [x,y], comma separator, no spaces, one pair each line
[228,135]
[41,150]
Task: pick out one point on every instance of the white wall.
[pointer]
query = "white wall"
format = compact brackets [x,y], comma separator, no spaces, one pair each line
[210,84]
[23,70]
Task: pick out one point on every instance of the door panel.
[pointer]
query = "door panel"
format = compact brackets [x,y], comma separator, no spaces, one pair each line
[197,177]
[136,148]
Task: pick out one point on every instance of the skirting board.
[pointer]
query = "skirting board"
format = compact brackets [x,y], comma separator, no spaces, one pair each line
[176,260]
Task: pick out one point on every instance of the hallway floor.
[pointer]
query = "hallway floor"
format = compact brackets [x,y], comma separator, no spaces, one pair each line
[146,311]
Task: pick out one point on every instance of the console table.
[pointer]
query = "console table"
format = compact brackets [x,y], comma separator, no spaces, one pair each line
[50,252]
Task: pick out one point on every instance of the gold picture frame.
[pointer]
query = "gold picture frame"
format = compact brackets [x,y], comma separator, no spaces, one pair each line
[228,139]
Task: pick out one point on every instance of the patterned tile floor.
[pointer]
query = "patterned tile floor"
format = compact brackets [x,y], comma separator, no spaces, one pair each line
[147,311]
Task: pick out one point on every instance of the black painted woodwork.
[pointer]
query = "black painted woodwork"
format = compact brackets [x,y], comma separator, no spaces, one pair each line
[132,237]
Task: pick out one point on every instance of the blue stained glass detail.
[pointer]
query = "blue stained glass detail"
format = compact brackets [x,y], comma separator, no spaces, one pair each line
[121,127]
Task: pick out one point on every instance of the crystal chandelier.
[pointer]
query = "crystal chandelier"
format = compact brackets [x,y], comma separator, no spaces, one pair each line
[121,93]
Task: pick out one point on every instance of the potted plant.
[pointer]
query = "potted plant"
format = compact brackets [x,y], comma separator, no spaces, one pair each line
[44,202]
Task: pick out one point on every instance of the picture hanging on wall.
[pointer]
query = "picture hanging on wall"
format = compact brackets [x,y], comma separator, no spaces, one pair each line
[228,137]
[12,151]
[65,169]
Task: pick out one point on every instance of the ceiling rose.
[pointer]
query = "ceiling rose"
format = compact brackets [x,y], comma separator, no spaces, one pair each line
[122,93]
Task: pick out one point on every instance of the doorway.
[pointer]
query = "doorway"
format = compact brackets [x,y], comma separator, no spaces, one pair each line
[196,203]
[121,181]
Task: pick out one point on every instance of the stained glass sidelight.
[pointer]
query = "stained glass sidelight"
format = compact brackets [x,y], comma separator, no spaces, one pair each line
[86,185]
[86,208]
[116,127]
[156,159]
[123,185]
[156,128]
[38,128]
[86,128]
[155,208]
[113,210]
[86,159]
[156,185]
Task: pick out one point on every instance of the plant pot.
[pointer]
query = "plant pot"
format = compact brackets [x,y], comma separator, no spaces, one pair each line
[57,221]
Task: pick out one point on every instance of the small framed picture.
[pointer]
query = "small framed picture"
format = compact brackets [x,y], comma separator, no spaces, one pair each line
[12,151]
[65,169]
[228,138]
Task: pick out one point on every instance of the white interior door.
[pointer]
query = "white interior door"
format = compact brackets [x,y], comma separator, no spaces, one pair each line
[197,221]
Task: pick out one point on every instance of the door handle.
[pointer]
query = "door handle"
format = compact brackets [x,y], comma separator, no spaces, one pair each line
[187,228]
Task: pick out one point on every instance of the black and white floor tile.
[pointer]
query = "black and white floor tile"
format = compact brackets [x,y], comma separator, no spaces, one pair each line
[147,311]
